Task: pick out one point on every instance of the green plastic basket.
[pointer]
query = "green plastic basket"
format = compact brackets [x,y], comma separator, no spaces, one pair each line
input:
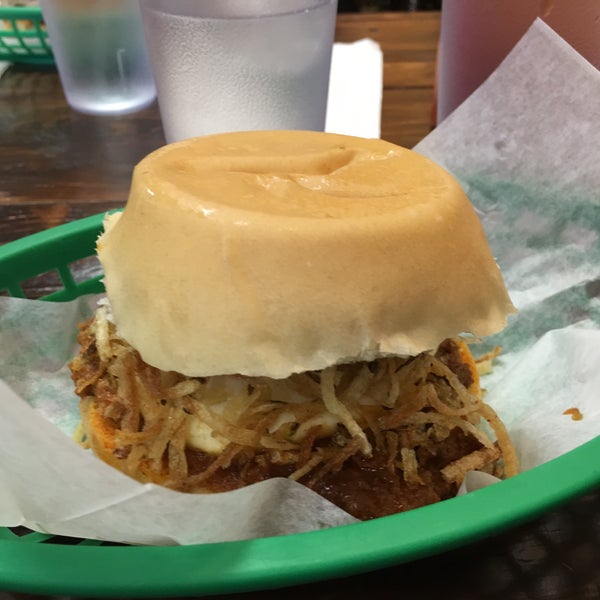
[44,564]
[23,36]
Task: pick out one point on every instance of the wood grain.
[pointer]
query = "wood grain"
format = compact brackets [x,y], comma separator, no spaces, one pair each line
[57,165]
[409,45]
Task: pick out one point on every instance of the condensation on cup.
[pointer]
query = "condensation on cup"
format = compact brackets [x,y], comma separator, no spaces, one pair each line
[101,55]
[476,35]
[240,64]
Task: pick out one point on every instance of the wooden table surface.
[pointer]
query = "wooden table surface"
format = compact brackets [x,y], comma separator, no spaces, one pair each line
[57,165]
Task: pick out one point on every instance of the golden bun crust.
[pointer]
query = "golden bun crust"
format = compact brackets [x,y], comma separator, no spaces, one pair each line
[268,253]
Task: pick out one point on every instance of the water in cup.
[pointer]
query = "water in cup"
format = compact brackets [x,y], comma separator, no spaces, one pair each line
[101,54]
[231,65]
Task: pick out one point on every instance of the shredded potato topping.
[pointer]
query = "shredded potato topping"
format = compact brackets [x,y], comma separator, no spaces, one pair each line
[375,438]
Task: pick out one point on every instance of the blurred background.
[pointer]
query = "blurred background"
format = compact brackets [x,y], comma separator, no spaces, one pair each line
[380,5]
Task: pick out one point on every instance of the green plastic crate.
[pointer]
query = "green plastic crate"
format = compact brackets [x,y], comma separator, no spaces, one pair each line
[23,36]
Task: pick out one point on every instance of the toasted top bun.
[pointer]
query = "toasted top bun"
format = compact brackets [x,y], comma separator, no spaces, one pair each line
[269,253]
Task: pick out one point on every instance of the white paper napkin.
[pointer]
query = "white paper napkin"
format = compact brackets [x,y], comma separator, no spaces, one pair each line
[355,89]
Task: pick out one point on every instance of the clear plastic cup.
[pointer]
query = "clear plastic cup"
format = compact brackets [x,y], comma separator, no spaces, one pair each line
[100,53]
[476,35]
[240,64]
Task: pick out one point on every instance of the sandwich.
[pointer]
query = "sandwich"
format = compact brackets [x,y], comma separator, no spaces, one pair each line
[294,304]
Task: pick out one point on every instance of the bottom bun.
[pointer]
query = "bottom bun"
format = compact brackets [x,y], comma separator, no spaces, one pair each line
[374,438]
